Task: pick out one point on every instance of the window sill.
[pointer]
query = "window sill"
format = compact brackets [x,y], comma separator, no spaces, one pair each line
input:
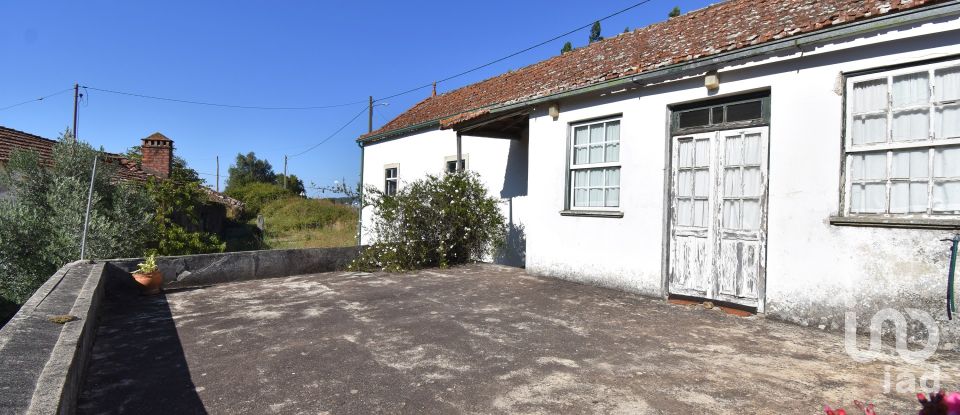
[887,222]
[593,213]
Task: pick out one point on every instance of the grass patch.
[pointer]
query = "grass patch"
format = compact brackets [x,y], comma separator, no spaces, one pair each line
[296,222]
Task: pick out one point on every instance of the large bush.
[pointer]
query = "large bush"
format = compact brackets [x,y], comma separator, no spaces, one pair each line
[256,195]
[435,221]
[42,221]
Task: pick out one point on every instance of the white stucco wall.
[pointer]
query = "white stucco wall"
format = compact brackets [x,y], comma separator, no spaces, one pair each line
[815,271]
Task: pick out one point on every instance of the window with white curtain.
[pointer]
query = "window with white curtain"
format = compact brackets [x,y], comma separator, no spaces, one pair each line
[903,141]
[595,165]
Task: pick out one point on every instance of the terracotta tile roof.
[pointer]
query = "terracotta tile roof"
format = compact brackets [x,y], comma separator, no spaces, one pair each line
[722,27]
[127,169]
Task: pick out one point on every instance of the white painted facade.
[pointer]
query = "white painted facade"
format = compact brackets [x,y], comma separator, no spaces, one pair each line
[815,270]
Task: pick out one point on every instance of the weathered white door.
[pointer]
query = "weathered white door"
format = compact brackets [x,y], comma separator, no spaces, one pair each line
[719,202]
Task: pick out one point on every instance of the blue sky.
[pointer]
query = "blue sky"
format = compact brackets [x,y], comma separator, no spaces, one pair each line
[260,53]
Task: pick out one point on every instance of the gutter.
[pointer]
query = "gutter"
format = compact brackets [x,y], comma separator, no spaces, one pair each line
[918,15]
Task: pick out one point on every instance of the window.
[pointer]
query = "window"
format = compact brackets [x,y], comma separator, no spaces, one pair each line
[390,174]
[450,163]
[595,165]
[709,116]
[903,141]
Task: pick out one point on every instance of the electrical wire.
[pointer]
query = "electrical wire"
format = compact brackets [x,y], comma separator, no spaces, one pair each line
[474,69]
[37,99]
[331,135]
[212,104]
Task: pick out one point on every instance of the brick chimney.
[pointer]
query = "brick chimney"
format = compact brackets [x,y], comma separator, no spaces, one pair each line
[157,152]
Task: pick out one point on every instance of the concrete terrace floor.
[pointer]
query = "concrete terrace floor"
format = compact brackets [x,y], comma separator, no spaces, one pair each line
[473,339]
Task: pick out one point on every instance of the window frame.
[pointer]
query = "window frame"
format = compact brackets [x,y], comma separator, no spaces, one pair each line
[395,179]
[571,168]
[464,159]
[890,146]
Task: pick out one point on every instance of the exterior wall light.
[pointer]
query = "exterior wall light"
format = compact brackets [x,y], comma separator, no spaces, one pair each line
[554,111]
[711,81]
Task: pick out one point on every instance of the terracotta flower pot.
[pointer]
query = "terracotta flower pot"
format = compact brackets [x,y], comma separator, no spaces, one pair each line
[149,283]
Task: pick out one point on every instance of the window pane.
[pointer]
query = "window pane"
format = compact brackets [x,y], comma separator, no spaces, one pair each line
[744,111]
[613,197]
[946,196]
[581,155]
[700,213]
[869,96]
[732,184]
[947,122]
[596,197]
[751,181]
[869,129]
[856,198]
[613,152]
[596,177]
[751,215]
[580,135]
[717,115]
[596,133]
[910,164]
[580,198]
[874,198]
[694,118]
[702,156]
[873,166]
[731,214]
[685,212]
[684,183]
[899,197]
[733,150]
[613,177]
[911,89]
[946,162]
[613,131]
[918,197]
[947,84]
[596,153]
[685,156]
[911,125]
[701,183]
[751,149]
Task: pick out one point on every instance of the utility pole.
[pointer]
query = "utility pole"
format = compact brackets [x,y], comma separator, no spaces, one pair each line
[218,174]
[76,98]
[284,171]
[370,115]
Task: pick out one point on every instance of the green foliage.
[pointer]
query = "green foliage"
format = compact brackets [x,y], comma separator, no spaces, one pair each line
[595,32]
[297,213]
[674,12]
[435,221]
[256,195]
[148,265]
[567,47]
[249,169]
[294,184]
[177,209]
[41,226]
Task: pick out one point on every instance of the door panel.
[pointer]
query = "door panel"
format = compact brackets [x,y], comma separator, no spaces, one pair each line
[718,239]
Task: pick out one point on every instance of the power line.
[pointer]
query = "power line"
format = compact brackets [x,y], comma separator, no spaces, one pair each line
[474,69]
[211,104]
[37,99]
[331,135]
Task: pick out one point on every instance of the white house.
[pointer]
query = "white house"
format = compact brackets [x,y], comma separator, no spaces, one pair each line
[799,158]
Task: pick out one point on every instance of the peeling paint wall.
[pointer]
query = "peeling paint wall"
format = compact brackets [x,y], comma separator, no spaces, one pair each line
[815,271]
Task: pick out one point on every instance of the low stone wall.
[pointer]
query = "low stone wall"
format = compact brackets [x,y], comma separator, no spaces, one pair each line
[43,363]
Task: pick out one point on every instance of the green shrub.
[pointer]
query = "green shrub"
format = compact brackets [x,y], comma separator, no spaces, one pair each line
[435,221]
[256,195]
[296,213]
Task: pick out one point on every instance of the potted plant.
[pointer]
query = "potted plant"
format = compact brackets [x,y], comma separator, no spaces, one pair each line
[148,275]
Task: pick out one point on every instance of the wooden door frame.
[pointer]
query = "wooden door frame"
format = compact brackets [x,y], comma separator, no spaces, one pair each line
[669,213]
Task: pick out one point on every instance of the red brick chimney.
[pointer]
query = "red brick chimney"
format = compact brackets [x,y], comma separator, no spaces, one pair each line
[157,155]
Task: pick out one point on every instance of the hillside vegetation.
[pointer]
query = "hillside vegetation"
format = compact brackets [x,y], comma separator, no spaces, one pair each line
[295,222]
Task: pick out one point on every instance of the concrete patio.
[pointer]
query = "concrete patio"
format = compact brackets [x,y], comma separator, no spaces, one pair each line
[473,339]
